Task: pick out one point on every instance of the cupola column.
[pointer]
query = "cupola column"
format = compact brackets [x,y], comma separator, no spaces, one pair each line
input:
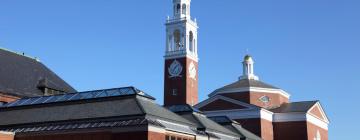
[248,69]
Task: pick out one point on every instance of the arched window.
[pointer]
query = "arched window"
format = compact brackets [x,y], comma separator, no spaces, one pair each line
[178,7]
[184,9]
[191,41]
[318,136]
[177,39]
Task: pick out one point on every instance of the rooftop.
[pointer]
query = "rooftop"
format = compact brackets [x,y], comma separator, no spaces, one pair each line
[24,76]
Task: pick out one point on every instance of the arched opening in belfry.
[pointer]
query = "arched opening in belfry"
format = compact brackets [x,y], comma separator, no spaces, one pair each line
[178,7]
[191,41]
[184,9]
[177,39]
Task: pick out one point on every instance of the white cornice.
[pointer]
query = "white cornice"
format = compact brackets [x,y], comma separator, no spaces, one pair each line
[242,114]
[253,89]
[175,56]
[7,133]
[217,97]
[323,114]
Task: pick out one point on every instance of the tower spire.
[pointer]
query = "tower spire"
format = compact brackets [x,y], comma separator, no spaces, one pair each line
[248,69]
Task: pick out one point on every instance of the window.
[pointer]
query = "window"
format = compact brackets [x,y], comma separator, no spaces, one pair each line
[184,9]
[177,39]
[191,42]
[174,92]
[318,136]
[178,7]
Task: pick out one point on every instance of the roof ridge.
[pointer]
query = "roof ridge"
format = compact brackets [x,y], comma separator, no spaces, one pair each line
[305,101]
[20,54]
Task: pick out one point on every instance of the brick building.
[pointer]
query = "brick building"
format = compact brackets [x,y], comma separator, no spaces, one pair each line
[266,110]
[44,107]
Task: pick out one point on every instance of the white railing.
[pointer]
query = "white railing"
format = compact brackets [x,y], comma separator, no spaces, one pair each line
[181,19]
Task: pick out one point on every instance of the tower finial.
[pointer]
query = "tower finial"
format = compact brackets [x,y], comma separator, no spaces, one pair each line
[248,69]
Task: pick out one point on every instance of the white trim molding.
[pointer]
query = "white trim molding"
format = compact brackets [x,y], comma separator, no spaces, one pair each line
[217,97]
[253,89]
[192,57]
[326,119]
[7,133]
[295,117]
[242,114]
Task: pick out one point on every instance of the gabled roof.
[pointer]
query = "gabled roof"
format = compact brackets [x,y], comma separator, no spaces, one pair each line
[23,76]
[235,127]
[243,83]
[119,103]
[202,122]
[302,107]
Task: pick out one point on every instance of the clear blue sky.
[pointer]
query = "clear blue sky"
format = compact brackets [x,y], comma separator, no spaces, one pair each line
[310,48]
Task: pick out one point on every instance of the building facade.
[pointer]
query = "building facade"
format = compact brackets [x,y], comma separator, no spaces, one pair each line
[266,110]
[47,108]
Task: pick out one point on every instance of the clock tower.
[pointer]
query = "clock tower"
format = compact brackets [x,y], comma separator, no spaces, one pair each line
[181,58]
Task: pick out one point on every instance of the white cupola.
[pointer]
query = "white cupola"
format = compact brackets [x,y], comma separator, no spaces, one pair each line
[181,8]
[248,69]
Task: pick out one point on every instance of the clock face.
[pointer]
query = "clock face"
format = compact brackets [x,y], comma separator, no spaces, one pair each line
[175,69]
[192,71]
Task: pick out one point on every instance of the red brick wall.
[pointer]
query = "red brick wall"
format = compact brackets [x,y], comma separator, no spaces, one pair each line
[4,136]
[187,88]
[259,127]
[242,96]
[7,98]
[301,130]
[220,105]
[267,130]
[156,136]
[253,125]
[312,131]
[316,111]
[290,130]
[192,84]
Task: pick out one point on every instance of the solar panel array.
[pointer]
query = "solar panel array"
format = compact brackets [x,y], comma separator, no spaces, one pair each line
[77,96]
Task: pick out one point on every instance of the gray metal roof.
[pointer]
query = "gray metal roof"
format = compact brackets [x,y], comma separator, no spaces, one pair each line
[235,127]
[113,104]
[22,76]
[242,84]
[202,122]
[303,107]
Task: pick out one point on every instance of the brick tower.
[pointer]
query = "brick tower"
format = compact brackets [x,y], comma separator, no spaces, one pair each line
[181,59]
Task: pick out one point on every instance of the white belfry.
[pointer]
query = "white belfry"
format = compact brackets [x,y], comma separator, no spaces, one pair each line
[248,69]
[181,32]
